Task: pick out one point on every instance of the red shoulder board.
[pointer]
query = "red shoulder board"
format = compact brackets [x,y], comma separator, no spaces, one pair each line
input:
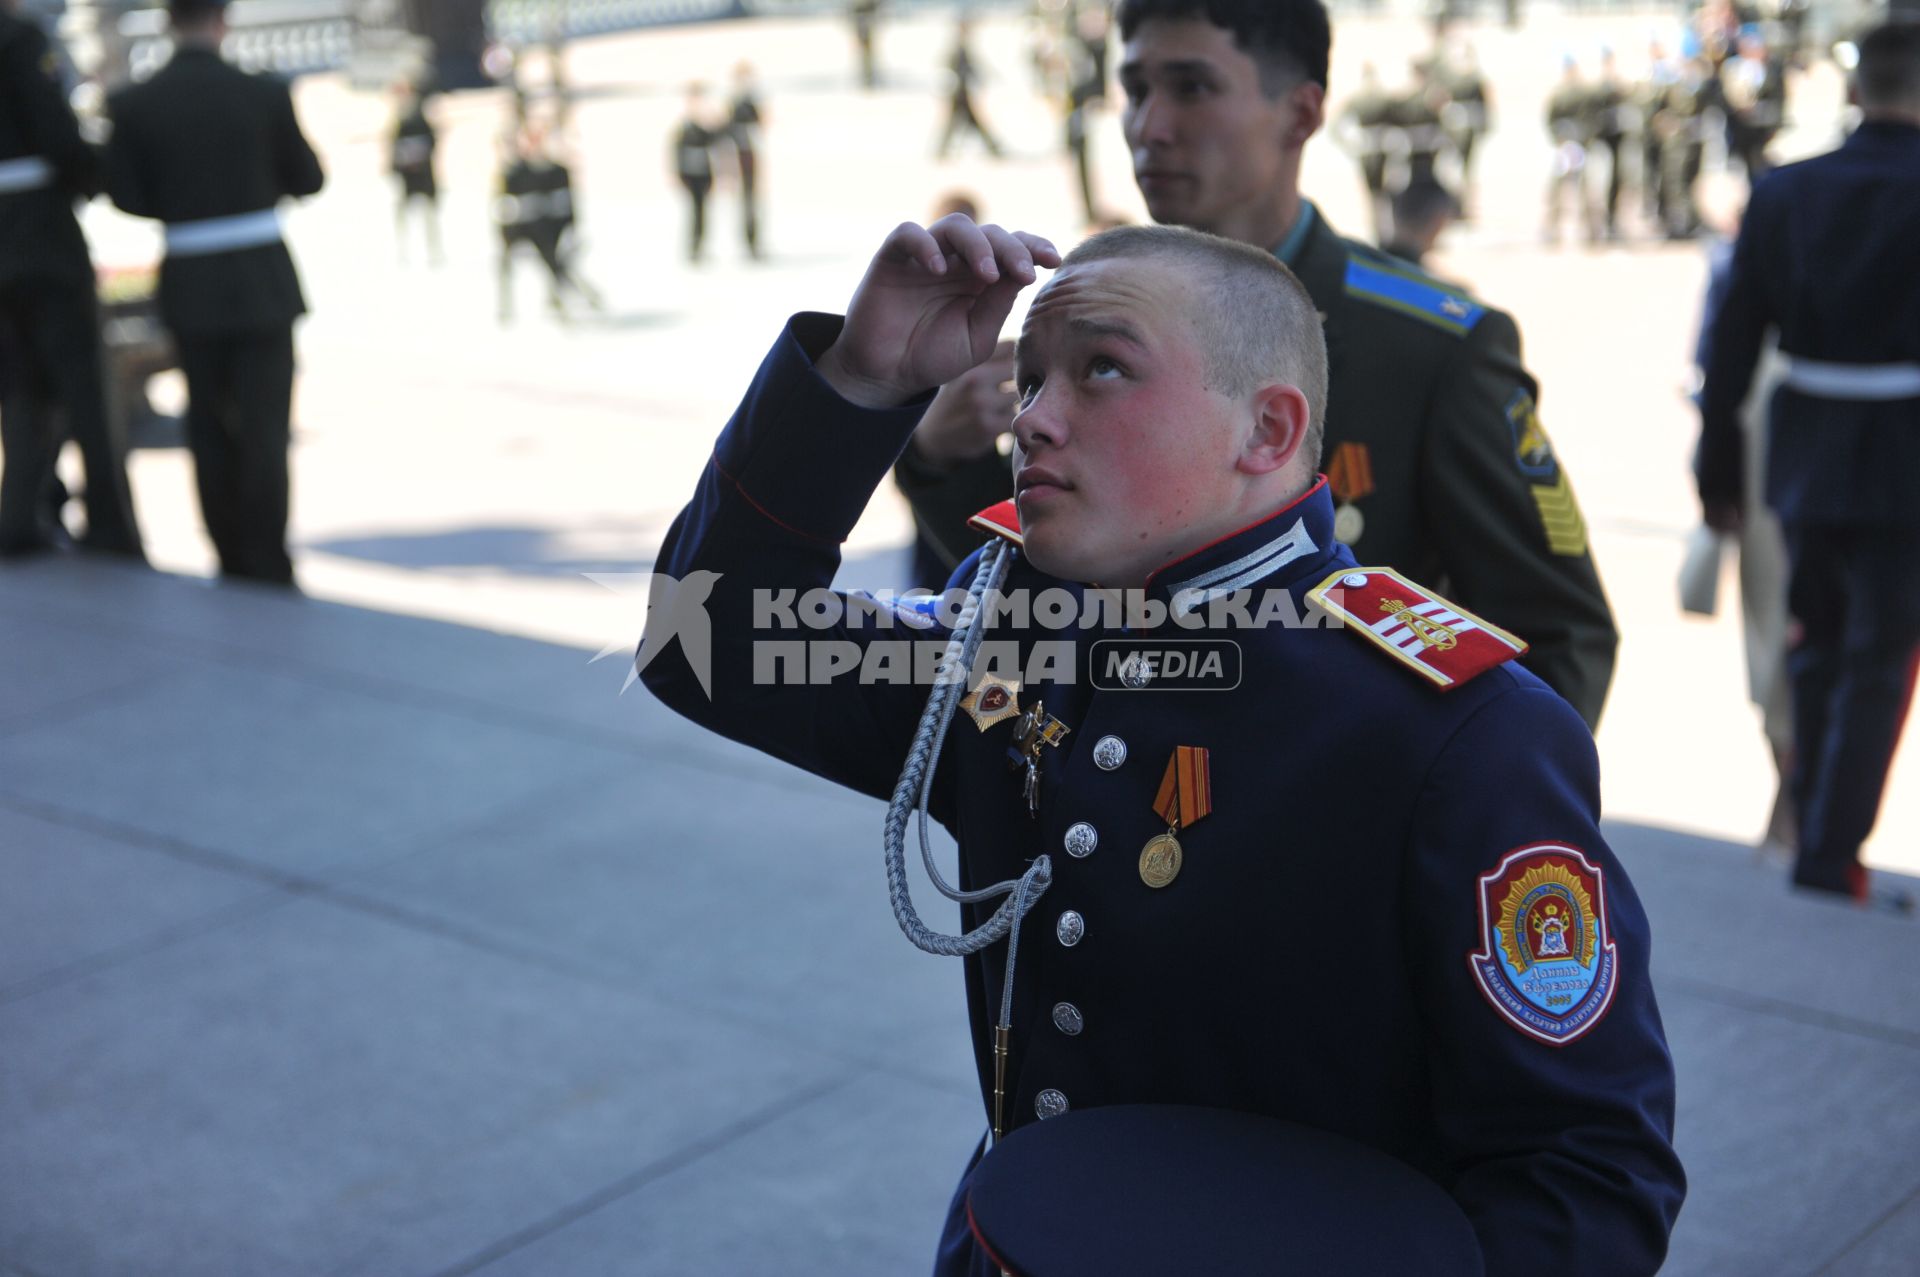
[1002,520]
[1446,644]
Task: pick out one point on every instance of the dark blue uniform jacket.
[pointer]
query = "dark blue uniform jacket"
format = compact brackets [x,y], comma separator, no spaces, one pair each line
[1314,958]
[1829,254]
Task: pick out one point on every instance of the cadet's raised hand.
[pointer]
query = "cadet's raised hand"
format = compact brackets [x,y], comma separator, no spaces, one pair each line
[930,308]
[971,412]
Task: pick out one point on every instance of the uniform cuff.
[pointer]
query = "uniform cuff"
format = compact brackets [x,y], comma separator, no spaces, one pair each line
[802,455]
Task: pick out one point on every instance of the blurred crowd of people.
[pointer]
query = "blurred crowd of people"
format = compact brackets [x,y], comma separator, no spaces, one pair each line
[1725,88]
[1419,133]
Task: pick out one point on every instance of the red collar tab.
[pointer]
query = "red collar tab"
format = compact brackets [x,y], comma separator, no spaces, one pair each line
[1444,644]
[1001,520]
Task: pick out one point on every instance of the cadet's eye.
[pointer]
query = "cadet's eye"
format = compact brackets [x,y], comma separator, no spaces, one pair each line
[1027,388]
[1100,368]
[1134,91]
[1188,88]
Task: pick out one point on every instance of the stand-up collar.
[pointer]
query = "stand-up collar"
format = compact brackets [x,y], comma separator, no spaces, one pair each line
[1884,133]
[1282,548]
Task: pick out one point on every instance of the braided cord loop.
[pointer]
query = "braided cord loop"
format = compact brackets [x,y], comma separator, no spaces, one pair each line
[911,794]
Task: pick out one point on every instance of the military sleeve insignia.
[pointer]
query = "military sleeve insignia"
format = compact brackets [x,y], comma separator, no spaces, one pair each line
[1531,448]
[1547,962]
[1001,520]
[1446,645]
[1560,516]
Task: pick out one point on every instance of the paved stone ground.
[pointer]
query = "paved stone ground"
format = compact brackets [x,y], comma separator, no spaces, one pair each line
[373,932]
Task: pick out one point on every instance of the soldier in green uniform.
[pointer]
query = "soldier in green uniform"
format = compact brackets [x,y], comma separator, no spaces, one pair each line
[1362,132]
[1435,449]
[1573,112]
[1468,114]
[1678,125]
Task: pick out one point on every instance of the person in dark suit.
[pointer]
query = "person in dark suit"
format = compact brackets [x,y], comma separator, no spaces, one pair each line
[211,151]
[693,142]
[535,207]
[50,357]
[744,123]
[1436,453]
[1828,258]
[410,157]
[1356,883]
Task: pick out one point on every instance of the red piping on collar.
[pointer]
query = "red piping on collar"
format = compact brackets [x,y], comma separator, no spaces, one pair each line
[1320,481]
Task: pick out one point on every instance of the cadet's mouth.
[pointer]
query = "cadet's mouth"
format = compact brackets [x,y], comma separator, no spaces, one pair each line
[1038,480]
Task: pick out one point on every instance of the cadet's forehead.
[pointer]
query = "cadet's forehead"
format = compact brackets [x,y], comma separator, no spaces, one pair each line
[1147,295]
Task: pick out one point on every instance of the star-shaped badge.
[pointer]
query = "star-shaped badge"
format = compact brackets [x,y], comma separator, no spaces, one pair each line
[994,700]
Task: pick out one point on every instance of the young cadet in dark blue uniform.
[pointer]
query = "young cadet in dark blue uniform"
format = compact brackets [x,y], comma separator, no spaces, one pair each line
[1829,256]
[1435,450]
[49,314]
[211,150]
[1362,888]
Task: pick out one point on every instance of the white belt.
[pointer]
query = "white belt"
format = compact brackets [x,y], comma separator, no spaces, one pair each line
[1825,380]
[27,174]
[223,234]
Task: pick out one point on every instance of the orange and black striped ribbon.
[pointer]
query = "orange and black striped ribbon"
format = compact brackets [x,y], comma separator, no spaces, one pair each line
[1350,472]
[1186,792]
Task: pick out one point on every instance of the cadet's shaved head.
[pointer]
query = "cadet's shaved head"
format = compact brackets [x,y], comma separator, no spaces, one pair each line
[1255,321]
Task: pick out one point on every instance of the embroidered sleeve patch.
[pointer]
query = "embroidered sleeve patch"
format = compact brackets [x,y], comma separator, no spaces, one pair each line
[1547,964]
[1532,450]
[1560,514]
[1446,645]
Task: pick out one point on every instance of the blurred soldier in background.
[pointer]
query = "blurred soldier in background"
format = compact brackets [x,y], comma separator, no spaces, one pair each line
[1753,87]
[1415,115]
[1421,213]
[865,15]
[1678,126]
[1761,550]
[50,357]
[1571,122]
[960,109]
[1650,99]
[1829,257]
[1362,132]
[1613,123]
[536,208]
[410,157]
[210,151]
[1468,113]
[744,122]
[693,142]
[1086,66]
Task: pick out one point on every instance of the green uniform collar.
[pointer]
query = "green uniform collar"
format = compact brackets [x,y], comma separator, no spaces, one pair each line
[1289,247]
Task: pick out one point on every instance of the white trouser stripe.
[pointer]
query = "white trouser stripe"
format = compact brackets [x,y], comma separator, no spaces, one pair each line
[223,234]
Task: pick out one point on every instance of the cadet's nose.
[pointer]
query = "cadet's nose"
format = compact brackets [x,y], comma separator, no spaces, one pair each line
[1039,424]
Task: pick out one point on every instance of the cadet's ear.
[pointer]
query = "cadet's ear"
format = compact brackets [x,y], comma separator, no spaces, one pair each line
[1309,112]
[1280,420]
